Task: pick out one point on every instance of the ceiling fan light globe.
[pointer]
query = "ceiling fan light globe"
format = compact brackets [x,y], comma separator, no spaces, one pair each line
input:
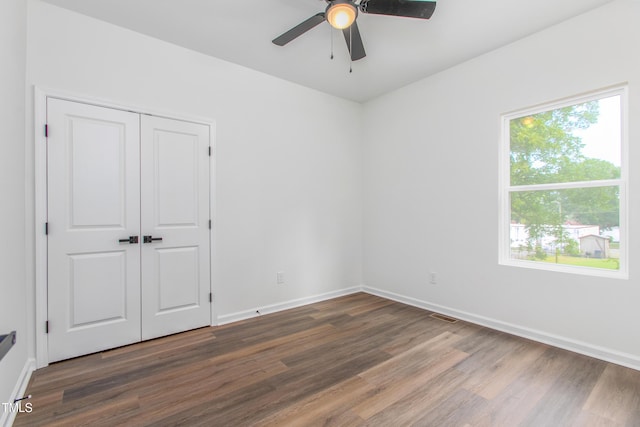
[341,15]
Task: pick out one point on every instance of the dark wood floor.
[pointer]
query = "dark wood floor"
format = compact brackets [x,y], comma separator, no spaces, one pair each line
[355,360]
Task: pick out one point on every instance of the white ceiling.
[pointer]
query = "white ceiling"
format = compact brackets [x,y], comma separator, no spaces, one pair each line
[399,50]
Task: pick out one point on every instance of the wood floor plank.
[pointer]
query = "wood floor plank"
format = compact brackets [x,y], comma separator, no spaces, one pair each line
[391,390]
[423,329]
[420,401]
[562,403]
[456,409]
[404,365]
[364,308]
[497,376]
[588,419]
[327,405]
[159,405]
[485,348]
[341,305]
[517,401]
[352,361]
[616,394]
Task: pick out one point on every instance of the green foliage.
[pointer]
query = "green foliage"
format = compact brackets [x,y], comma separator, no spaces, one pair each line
[543,145]
[539,211]
[571,248]
[540,254]
[597,205]
[545,150]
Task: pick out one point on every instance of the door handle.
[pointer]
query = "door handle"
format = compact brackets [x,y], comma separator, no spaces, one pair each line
[131,240]
[150,239]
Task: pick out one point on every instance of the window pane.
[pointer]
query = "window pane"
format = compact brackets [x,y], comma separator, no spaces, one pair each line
[581,142]
[572,226]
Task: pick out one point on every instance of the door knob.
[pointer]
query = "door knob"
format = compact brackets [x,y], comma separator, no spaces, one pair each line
[150,239]
[131,239]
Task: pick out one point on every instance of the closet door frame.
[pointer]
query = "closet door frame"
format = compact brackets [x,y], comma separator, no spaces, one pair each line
[40,218]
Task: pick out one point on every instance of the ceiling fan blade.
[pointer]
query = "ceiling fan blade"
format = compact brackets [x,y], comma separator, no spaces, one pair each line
[354,42]
[408,8]
[299,29]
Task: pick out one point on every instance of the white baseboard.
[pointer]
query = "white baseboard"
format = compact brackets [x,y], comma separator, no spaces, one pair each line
[273,308]
[602,353]
[7,418]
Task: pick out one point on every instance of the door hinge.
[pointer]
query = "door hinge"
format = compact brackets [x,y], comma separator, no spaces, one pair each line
[46,327]
[209,224]
[209,151]
[46,130]
[46,228]
[210,297]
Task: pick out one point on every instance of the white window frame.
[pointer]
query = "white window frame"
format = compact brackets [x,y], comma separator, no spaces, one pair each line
[506,188]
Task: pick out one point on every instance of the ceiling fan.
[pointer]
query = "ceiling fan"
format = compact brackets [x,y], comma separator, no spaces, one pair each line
[342,14]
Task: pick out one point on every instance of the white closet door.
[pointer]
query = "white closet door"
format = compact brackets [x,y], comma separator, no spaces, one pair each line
[93,202]
[175,214]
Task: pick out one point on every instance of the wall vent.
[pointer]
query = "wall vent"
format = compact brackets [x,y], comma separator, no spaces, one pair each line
[443,318]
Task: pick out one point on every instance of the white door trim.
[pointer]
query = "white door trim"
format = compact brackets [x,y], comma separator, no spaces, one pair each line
[40,162]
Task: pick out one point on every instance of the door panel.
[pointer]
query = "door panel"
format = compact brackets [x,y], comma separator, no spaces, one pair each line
[176,171]
[89,284]
[175,200]
[97,161]
[178,278]
[93,201]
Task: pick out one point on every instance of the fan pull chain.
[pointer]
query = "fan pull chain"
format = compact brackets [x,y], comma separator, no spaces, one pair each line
[350,49]
[331,30]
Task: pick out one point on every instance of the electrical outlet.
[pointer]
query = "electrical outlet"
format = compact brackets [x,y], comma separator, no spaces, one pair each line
[280,277]
[433,279]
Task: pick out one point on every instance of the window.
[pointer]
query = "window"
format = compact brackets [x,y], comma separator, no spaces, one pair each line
[563,186]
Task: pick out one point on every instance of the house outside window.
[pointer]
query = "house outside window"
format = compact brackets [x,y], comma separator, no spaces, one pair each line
[564,185]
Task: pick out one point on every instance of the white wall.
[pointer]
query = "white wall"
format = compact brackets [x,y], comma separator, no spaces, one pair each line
[288,159]
[431,164]
[13,21]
